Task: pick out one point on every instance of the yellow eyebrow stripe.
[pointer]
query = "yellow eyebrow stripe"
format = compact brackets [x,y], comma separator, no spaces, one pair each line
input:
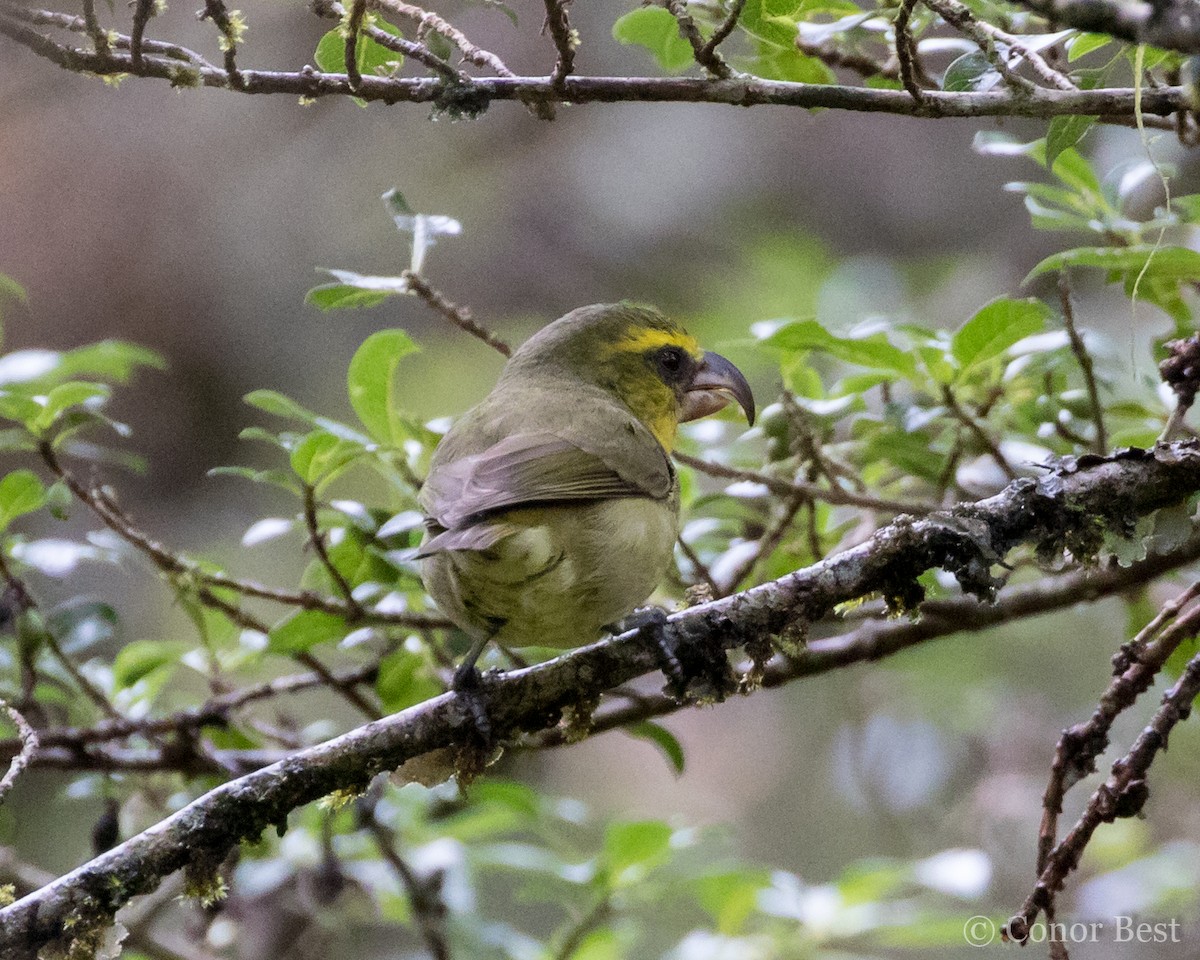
[649,338]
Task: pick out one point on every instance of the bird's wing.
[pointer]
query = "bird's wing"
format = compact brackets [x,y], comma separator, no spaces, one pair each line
[538,468]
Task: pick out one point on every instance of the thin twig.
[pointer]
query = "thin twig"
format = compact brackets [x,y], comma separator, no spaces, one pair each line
[565,40]
[788,488]
[427,20]
[459,316]
[987,36]
[354,21]
[428,908]
[1137,665]
[217,711]
[143,10]
[906,51]
[29,744]
[1123,794]
[317,540]
[859,63]
[767,543]
[726,27]
[94,30]
[215,11]
[977,431]
[706,56]
[1084,359]
[699,566]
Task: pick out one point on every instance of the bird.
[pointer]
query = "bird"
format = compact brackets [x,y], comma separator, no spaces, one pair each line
[552,507]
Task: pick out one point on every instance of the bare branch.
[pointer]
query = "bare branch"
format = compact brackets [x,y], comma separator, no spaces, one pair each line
[721,34]
[565,41]
[911,73]
[428,21]
[1115,105]
[1079,348]
[704,55]
[1090,491]
[459,316]
[29,744]
[1123,794]
[814,491]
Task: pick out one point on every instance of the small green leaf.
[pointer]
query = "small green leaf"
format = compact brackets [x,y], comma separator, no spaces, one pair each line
[639,843]
[21,492]
[277,478]
[142,657]
[971,72]
[273,402]
[304,629]
[656,29]
[371,57]
[662,738]
[1065,132]
[342,296]
[995,328]
[321,455]
[371,381]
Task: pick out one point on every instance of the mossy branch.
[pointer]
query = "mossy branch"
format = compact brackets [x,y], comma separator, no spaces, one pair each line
[1072,507]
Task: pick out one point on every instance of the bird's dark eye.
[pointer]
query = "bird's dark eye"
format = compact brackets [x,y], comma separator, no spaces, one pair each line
[671,360]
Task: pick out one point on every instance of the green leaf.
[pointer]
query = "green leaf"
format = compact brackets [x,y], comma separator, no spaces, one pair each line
[371,381]
[656,29]
[321,455]
[114,360]
[731,898]
[342,296]
[277,478]
[874,351]
[21,492]
[788,63]
[1085,43]
[774,21]
[371,57]
[1065,132]
[995,328]
[403,681]
[274,402]
[662,738]
[639,843]
[142,657]
[304,629]
[1178,263]
[67,395]
[971,72]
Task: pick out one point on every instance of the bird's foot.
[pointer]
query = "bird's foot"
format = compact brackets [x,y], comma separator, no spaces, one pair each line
[697,670]
[469,686]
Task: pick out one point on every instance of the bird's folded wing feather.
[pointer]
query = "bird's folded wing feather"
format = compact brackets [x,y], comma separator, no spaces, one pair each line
[540,468]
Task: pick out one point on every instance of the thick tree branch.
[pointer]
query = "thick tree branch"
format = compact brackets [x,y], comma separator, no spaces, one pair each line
[1071,507]
[478,93]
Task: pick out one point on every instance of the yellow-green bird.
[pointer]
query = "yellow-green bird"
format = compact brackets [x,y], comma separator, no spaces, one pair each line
[552,507]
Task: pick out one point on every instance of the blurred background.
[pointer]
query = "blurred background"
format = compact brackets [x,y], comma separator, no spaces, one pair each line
[193,221]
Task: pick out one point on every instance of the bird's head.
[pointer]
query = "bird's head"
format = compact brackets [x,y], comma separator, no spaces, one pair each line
[649,362]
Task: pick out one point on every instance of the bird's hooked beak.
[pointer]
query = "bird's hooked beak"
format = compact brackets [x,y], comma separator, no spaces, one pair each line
[716,382]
